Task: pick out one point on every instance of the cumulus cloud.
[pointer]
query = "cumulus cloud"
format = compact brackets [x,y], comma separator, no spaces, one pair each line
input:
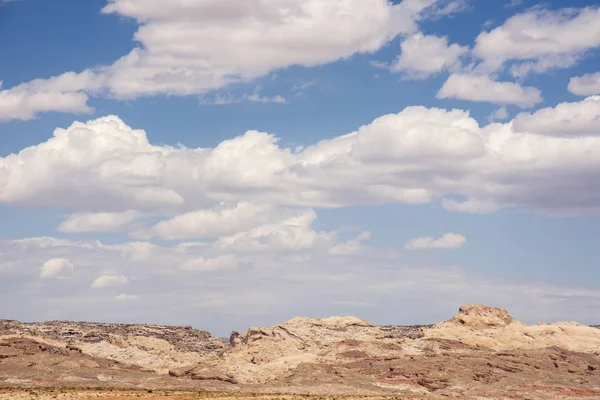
[64,93]
[544,64]
[98,222]
[218,221]
[447,241]
[426,55]
[483,88]
[136,251]
[352,246]
[56,268]
[585,85]
[416,156]
[108,281]
[539,39]
[188,48]
[290,234]
[22,102]
[221,220]
[575,119]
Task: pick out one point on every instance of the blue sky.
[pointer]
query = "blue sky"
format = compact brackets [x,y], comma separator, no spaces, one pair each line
[452,186]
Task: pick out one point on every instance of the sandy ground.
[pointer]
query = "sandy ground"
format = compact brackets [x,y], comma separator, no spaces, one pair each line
[81,394]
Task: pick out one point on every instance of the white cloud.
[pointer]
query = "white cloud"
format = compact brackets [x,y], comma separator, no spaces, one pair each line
[290,234]
[301,87]
[417,156]
[566,119]
[126,297]
[56,268]
[188,48]
[98,222]
[352,246]
[425,55]
[443,8]
[218,221]
[544,64]
[272,286]
[98,155]
[256,98]
[224,99]
[64,93]
[136,251]
[226,262]
[513,3]
[46,242]
[473,206]
[542,39]
[380,142]
[585,85]
[108,281]
[499,115]
[447,241]
[483,88]
[23,103]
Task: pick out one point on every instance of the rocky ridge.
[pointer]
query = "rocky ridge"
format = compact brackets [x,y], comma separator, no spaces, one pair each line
[182,338]
[494,328]
[153,347]
[482,352]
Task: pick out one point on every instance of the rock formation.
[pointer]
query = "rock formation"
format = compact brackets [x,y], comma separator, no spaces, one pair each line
[494,328]
[482,352]
[154,347]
